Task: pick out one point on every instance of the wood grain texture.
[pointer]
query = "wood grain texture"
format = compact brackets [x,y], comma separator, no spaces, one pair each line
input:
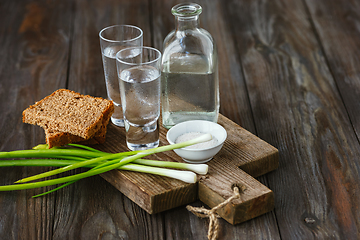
[286,70]
[341,19]
[342,164]
[86,69]
[255,199]
[35,64]
[246,151]
[93,209]
[242,150]
[34,50]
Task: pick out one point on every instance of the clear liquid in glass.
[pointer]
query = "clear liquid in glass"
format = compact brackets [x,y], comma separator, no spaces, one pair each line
[140,88]
[189,90]
[112,82]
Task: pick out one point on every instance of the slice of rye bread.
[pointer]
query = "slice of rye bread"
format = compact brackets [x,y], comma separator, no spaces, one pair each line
[55,138]
[70,112]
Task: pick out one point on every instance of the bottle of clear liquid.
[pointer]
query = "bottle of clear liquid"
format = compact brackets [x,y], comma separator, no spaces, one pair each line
[189,75]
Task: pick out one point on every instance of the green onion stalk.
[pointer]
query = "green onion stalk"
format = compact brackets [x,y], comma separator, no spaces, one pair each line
[100,162]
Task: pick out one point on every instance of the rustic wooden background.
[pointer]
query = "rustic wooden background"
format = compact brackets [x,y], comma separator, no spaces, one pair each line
[289,73]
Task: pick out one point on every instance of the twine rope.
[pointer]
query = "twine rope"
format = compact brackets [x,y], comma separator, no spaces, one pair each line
[212,215]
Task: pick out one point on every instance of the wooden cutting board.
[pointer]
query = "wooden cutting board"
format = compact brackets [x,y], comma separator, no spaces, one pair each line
[243,157]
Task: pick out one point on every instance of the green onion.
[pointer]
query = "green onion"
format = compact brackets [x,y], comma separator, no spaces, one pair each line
[36,163]
[83,156]
[185,176]
[51,153]
[84,147]
[68,168]
[146,168]
[140,154]
[53,190]
[73,177]
[198,168]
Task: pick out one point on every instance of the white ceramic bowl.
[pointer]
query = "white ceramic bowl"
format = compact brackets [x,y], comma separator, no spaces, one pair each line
[197,155]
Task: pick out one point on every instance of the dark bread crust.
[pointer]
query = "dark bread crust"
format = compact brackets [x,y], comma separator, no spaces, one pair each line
[60,138]
[69,112]
[55,138]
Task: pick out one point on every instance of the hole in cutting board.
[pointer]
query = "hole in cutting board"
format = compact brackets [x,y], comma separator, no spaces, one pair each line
[241,187]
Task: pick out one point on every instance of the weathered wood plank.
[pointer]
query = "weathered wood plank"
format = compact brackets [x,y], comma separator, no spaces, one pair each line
[242,150]
[298,109]
[86,69]
[34,49]
[248,152]
[337,25]
[35,64]
[94,209]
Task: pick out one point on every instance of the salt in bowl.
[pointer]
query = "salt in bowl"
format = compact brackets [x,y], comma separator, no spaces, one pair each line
[196,155]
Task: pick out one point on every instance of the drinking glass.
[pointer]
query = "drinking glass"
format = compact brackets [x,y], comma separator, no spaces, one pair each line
[112,40]
[139,74]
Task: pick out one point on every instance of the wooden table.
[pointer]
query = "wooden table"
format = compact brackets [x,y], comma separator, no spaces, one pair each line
[289,73]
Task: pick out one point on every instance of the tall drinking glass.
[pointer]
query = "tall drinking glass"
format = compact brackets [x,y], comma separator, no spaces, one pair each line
[139,79]
[112,40]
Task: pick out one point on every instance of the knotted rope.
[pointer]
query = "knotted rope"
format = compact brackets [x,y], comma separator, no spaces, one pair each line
[212,215]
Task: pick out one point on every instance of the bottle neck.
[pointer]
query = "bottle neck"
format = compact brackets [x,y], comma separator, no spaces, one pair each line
[186,23]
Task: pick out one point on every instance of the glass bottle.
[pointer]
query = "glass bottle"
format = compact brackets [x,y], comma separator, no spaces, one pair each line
[189,77]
